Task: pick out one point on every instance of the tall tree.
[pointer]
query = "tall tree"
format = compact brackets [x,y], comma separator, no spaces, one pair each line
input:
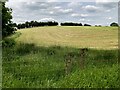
[7,25]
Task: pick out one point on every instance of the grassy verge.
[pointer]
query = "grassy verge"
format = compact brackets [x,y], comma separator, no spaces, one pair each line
[27,65]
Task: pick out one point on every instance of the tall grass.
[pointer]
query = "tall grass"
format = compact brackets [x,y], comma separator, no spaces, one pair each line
[30,66]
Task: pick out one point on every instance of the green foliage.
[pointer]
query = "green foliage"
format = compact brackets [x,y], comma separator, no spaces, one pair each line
[8,42]
[7,25]
[30,66]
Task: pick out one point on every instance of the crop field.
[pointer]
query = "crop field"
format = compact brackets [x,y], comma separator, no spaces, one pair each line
[36,58]
[89,37]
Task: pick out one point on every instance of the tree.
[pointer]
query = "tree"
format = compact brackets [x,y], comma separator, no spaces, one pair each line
[35,24]
[32,23]
[19,26]
[114,24]
[87,25]
[7,25]
[27,24]
[22,25]
[14,25]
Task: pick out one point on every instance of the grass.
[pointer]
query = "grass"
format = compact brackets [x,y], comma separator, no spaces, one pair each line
[80,37]
[37,61]
[29,66]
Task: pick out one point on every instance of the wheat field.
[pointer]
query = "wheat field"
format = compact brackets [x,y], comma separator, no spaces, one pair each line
[79,37]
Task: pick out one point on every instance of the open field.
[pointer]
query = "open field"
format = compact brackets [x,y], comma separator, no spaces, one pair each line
[37,62]
[91,37]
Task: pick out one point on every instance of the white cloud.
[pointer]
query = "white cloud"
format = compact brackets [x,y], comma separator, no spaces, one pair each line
[84,15]
[57,7]
[52,0]
[108,10]
[47,19]
[75,15]
[84,20]
[109,18]
[79,15]
[43,4]
[91,8]
[65,10]
[12,4]
[51,12]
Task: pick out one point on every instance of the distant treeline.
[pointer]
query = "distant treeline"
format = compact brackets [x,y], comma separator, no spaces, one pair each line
[73,24]
[49,23]
[36,24]
[52,23]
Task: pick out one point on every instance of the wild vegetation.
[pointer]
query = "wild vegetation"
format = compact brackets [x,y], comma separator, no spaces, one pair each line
[30,66]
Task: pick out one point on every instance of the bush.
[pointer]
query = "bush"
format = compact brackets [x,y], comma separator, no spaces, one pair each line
[8,42]
[114,24]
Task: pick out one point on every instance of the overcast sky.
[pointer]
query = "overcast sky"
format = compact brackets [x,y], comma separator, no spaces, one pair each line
[101,12]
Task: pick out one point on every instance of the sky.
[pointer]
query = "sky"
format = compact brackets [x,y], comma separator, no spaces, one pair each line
[96,12]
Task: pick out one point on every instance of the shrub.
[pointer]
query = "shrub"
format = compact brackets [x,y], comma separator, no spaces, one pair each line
[8,42]
[87,25]
[114,24]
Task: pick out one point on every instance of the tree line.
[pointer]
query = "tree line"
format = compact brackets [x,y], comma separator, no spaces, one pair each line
[71,24]
[74,24]
[52,23]
[36,24]
[49,23]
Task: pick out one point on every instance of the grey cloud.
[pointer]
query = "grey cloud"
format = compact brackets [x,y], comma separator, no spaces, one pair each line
[35,6]
[108,5]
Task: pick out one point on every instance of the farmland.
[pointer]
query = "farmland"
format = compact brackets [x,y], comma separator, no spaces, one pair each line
[90,37]
[37,60]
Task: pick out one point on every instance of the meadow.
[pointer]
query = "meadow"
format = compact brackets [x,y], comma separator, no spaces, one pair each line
[35,58]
